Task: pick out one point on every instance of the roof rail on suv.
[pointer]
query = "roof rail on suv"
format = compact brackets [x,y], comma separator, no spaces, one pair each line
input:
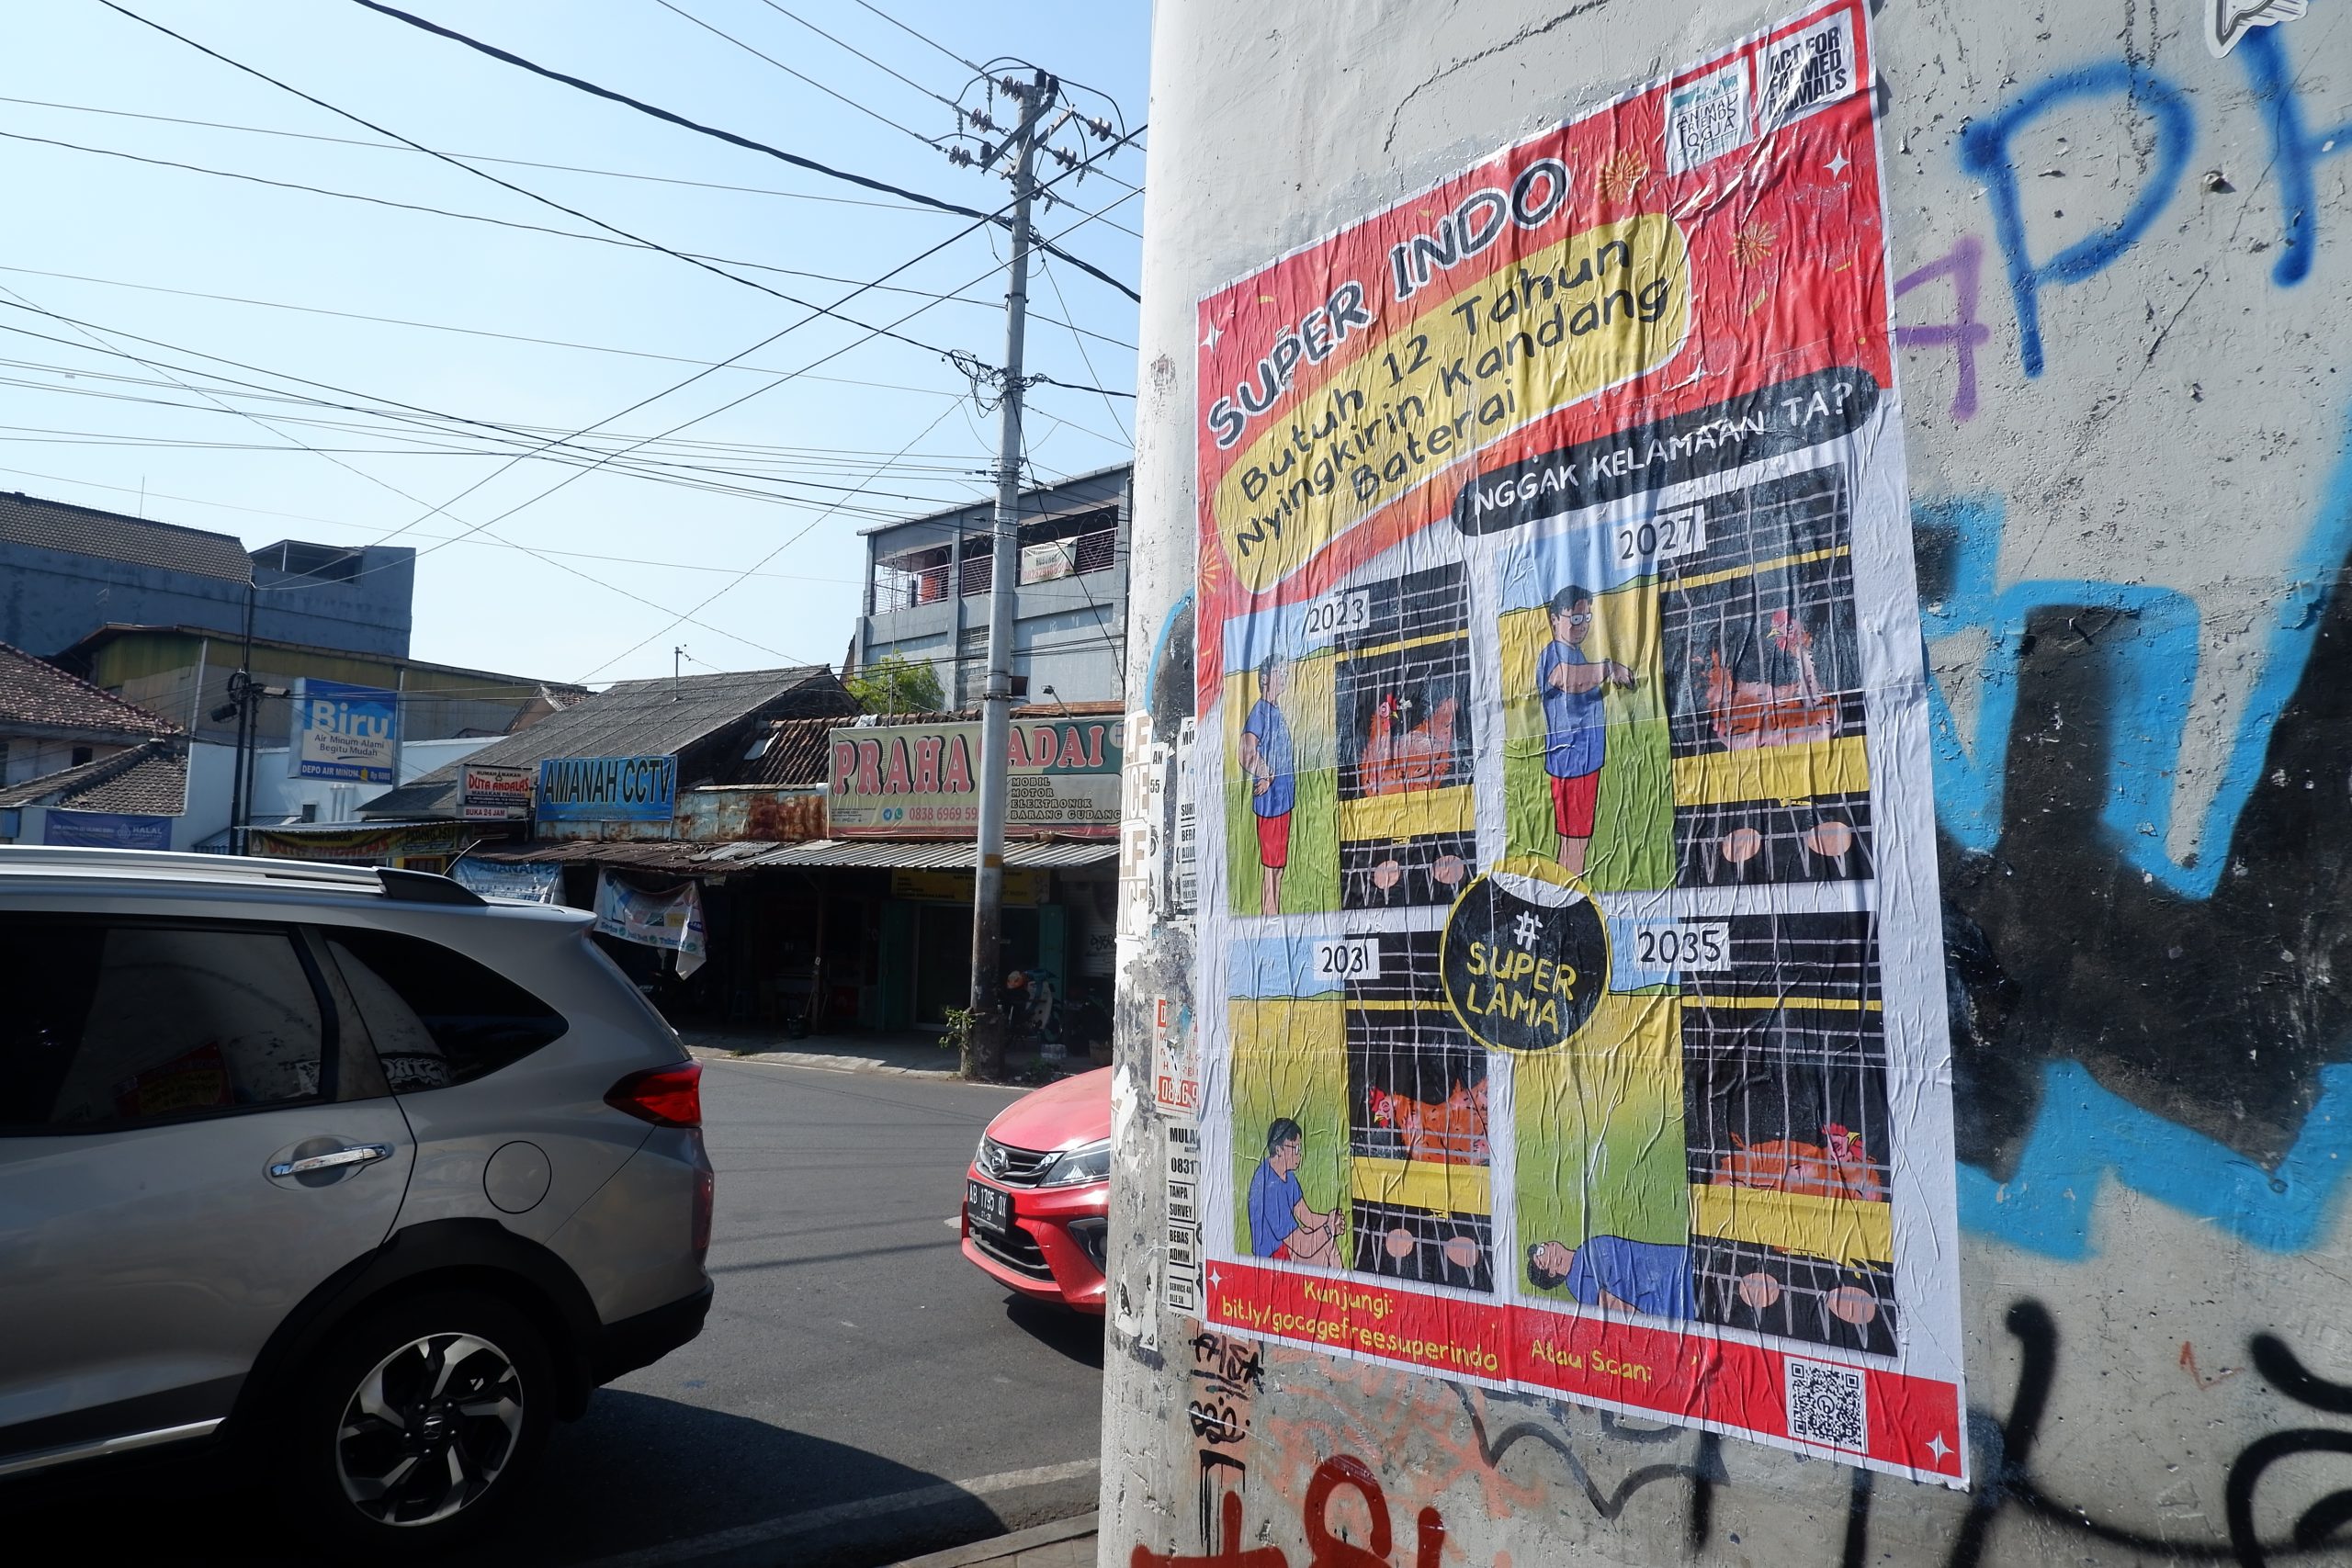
[409,886]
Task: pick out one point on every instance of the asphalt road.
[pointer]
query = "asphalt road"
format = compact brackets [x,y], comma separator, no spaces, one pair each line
[853,1366]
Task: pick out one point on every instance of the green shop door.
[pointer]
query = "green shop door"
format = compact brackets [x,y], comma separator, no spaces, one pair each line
[892,997]
[942,976]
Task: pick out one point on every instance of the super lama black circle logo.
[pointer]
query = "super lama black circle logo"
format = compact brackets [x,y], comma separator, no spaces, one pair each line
[1525,957]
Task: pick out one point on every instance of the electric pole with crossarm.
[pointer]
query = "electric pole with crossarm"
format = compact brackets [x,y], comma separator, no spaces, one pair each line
[984,1048]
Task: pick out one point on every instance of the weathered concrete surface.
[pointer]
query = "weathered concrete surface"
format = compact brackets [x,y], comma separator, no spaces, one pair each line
[2132,501]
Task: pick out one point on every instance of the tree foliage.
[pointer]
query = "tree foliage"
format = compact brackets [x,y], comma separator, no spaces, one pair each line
[895,684]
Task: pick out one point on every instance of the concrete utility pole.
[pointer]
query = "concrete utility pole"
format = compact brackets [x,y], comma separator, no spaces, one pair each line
[984,1047]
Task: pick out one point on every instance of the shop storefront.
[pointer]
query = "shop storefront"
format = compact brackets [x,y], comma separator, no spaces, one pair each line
[410,846]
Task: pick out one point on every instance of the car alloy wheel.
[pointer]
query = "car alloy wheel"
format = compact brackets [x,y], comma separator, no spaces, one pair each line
[430,1430]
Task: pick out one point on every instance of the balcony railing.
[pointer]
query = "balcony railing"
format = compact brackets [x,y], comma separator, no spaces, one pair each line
[897,589]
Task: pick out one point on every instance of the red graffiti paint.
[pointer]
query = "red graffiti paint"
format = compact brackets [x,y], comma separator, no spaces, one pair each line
[1325,1550]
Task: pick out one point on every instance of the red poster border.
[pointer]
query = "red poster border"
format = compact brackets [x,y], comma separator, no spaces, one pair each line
[1915,1423]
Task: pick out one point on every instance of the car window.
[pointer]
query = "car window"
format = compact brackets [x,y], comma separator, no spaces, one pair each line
[439,1018]
[110,1023]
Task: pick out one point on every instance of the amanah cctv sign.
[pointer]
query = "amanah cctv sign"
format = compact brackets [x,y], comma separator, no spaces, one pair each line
[346,732]
[608,789]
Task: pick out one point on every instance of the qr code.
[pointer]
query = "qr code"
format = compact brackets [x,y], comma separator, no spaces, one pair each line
[1826,1405]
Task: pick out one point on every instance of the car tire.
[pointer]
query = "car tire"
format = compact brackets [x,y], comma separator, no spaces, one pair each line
[416,1425]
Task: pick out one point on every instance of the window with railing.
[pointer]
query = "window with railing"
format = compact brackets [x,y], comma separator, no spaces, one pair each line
[1060,548]
[905,581]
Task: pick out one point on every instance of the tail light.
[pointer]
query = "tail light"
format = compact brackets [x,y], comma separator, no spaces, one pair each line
[705,1189]
[667,1096]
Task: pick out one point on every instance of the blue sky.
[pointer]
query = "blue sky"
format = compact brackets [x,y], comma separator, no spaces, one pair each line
[69,431]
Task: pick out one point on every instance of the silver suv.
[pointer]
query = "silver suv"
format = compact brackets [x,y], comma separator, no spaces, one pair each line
[348,1171]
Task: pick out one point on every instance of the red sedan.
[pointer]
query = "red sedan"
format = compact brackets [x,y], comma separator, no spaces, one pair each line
[1037,1196]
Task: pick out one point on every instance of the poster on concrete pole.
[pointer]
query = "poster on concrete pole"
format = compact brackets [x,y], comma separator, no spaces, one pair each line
[1572,990]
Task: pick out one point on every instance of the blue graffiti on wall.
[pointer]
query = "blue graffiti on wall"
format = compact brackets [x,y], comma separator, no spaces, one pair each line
[1986,152]
[2086,1136]
[2155,686]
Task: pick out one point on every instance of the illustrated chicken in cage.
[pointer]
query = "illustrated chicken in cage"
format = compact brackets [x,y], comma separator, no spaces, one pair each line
[1785,1117]
[1418,1125]
[1400,690]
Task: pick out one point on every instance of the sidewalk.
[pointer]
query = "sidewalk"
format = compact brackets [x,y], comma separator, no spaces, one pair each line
[919,1055]
[1065,1543]
[912,1055]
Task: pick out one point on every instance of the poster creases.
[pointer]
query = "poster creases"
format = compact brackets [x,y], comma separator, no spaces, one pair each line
[1557,641]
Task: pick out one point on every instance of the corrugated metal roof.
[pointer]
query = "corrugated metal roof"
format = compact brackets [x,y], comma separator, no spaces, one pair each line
[629,718]
[890,854]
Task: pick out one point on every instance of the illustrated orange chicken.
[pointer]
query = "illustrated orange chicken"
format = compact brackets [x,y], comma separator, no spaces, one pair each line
[1838,1166]
[1452,1131]
[1395,760]
[1785,707]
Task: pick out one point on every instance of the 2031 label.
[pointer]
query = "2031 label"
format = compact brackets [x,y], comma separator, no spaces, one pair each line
[1348,958]
[1701,947]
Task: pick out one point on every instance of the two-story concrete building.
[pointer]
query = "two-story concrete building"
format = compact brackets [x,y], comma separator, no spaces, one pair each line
[66,570]
[927,593]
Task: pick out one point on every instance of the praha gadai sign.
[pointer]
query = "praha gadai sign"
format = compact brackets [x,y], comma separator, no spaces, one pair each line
[922,781]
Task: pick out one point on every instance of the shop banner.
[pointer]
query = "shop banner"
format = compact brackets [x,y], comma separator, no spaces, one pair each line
[488,793]
[105,829]
[346,732]
[922,781]
[608,789]
[1567,856]
[519,880]
[1021,885]
[364,846]
[670,920]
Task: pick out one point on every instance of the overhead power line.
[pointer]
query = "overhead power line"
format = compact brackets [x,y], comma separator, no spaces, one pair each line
[737,581]
[623,243]
[386,484]
[794,158]
[879,66]
[474,426]
[797,75]
[813,313]
[473,157]
[508,185]
[924,39]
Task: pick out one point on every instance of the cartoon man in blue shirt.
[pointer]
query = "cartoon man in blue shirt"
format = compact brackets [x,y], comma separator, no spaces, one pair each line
[1608,1271]
[1282,1224]
[1576,734]
[1266,762]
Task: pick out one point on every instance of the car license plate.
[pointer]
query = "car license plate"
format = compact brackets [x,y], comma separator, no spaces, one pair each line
[990,1209]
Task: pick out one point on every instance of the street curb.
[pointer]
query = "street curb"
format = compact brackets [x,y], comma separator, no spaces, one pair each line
[1005,1548]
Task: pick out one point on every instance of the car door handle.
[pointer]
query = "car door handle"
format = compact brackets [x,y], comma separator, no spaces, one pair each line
[358,1153]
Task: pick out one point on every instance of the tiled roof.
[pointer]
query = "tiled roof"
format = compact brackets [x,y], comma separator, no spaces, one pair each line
[37,694]
[86,530]
[148,780]
[629,718]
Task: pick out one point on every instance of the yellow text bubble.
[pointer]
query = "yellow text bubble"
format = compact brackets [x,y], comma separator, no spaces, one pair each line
[1599,307]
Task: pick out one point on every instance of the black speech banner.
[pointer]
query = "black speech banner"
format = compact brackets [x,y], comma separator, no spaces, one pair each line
[1786,416]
